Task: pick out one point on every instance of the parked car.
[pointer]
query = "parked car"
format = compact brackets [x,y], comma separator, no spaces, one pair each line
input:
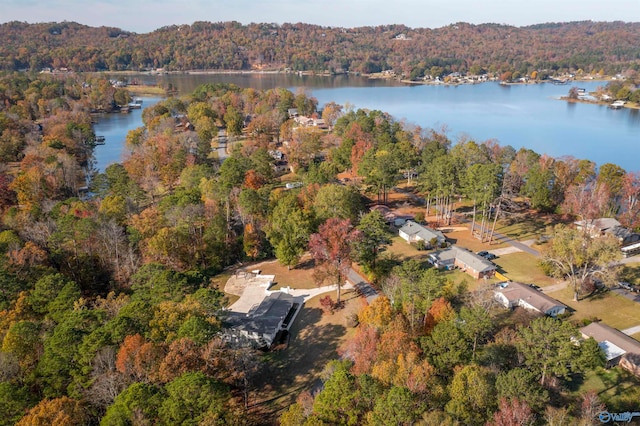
[535,287]
[625,285]
[487,255]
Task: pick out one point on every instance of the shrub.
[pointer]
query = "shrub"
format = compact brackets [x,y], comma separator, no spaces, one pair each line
[327,304]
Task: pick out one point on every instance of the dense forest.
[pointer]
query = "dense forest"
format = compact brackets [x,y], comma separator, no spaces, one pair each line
[413,52]
[109,311]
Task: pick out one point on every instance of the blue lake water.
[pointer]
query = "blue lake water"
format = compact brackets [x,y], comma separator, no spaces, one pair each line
[520,115]
[114,128]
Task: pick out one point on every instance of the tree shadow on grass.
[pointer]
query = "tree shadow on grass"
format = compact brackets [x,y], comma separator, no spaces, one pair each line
[630,274]
[288,372]
[306,264]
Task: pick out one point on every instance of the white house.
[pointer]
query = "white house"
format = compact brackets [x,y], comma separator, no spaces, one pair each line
[469,262]
[511,294]
[413,232]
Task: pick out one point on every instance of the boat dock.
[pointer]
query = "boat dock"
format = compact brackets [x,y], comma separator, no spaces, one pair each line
[99,140]
[135,104]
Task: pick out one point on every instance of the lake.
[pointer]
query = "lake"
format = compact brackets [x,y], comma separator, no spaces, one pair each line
[114,128]
[519,115]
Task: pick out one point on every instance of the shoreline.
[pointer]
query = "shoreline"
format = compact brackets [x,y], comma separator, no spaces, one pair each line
[157,91]
[373,76]
[629,105]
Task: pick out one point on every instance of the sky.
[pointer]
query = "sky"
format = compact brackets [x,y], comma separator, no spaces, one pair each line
[143,16]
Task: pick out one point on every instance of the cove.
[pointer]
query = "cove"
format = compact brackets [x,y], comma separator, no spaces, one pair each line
[529,116]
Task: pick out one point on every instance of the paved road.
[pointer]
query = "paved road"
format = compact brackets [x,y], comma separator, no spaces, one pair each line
[515,243]
[363,287]
[632,259]
[222,144]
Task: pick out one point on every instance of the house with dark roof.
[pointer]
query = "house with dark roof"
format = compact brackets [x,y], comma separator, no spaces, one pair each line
[413,232]
[263,322]
[617,346]
[609,226]
[511,294]
[469,262]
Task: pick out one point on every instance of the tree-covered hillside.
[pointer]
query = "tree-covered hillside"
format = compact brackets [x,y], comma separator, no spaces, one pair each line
[461,47]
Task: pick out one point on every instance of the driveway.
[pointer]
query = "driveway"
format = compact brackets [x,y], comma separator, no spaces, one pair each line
[255,291]
[635,297]
[254,294]
[632,330]
[362,286]
[555,287]
[632,259]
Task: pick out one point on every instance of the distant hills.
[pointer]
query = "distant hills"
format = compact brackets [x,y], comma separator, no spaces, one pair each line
[591,46]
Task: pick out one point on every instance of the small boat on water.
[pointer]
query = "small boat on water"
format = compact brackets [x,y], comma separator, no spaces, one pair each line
[99,140]
[617,104]
[135,104]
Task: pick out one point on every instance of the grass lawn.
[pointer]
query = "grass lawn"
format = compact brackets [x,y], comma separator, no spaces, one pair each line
[406,251]
[219,281]
[464,239]
[617,388]
[315,340]
[298,277]
[289,177]
[523,267]
[614,310]
[527,227]
[143,90]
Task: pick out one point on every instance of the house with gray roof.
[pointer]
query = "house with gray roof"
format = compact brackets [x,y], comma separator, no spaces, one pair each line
[413,232]
[263,322]
[617,346]
[609,226]
[469,262]
[511,294]
[598,226]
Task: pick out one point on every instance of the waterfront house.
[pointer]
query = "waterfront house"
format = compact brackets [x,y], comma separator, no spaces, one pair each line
[512,294]
[617,346]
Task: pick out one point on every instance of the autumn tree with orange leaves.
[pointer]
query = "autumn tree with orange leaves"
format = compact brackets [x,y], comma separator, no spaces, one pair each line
[331,249]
